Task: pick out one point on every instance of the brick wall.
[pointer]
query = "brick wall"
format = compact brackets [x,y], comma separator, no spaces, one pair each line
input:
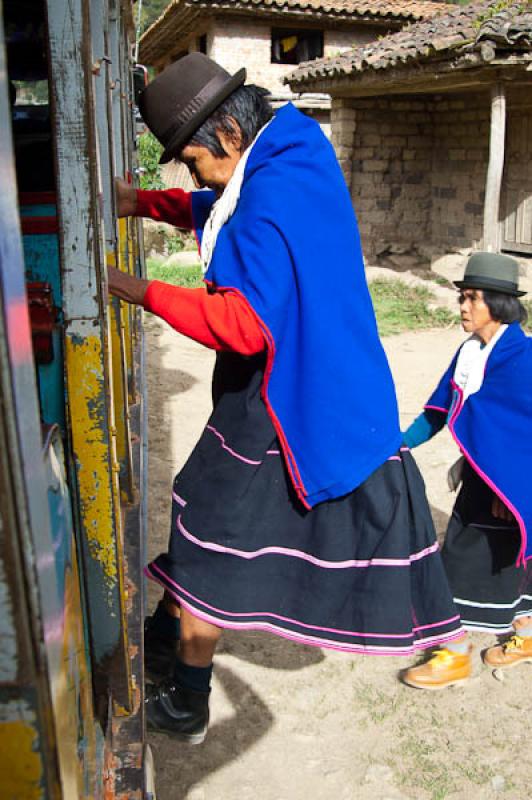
[234,43]
[336,41]
[391,146]
[416,167]
[459,165]
[237,43]
[343,125]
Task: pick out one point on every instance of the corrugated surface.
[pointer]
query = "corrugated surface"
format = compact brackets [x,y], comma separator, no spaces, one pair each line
[422,40]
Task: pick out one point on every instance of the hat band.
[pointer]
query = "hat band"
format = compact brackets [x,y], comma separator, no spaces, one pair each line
[209,91]
[481,282]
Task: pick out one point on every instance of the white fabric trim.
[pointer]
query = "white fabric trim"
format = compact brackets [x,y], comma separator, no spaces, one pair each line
[471,363]
[471,603]
[224,207]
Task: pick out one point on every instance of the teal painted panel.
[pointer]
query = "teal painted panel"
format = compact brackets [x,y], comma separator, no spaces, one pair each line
[51,382]
[39,210]
[41,257]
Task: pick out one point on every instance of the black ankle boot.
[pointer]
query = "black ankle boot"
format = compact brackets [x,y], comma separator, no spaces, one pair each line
[160,652]
[180,712]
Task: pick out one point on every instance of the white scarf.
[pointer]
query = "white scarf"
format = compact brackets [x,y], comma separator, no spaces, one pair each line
[471,363]
[224,207]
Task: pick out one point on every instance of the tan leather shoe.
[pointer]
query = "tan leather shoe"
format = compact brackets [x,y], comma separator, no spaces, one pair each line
[513,652]
[445,668]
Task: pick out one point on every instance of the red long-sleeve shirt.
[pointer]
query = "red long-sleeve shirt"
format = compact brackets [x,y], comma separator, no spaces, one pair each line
[219,319]
[173,206]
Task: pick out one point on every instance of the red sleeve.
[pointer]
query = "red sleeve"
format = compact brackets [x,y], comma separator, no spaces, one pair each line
[173,206]
[222,321]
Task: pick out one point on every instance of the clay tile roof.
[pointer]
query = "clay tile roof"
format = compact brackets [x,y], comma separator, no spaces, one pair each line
[178,13]
[440,35]
[511,26]
[412,9]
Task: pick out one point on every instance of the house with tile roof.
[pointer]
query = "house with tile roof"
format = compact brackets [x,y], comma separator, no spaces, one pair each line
[433,128]
[271,37]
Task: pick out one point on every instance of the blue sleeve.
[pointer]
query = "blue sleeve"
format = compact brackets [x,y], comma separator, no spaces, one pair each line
[427,425]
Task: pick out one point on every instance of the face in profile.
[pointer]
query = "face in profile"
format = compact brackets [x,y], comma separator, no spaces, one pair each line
[210,171]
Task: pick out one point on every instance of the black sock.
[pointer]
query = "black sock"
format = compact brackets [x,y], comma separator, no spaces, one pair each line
[164,623]
[196,678]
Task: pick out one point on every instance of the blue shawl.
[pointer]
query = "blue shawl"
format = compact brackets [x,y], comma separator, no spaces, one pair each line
[292,249]
[493,428]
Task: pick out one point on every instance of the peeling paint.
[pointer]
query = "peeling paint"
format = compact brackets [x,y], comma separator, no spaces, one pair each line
[8,651]
[88,414]
[20,761]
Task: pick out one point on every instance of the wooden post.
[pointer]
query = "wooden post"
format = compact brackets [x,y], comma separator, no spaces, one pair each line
[491,233]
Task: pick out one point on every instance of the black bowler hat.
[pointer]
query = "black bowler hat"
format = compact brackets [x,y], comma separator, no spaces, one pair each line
[179,100]
[491,271]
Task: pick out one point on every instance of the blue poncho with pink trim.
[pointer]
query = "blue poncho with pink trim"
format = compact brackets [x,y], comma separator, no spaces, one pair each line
[493,428]
[292,249]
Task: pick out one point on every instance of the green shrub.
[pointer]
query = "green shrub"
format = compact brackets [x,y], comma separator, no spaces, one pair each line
[190,277]
[149,154]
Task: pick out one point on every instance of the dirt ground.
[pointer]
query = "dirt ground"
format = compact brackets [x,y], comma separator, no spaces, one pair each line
[291,722]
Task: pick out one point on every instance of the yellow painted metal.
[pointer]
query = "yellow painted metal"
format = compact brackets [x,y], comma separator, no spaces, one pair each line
[133,312]
[123,263]
[21,766]
[97,467]
[121,398]
[118,378]
[94,453]
[72,693]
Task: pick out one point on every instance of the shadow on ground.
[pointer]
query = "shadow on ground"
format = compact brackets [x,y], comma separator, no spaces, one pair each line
[226,740]
[267,650]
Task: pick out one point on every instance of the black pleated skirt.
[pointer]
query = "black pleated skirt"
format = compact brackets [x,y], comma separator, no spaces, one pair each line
[479,555]
[362,573]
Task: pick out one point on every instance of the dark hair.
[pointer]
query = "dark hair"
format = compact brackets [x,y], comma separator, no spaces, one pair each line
[504,307]
[248,107]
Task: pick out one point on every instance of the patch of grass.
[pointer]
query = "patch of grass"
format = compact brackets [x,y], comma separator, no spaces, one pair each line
[399,308]
[191,277]
[424,765]
[377,704]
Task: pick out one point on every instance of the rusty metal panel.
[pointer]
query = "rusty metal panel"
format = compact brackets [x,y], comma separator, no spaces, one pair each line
[87,344]
[77,731]
[51,743]
[31,605]
[103,72]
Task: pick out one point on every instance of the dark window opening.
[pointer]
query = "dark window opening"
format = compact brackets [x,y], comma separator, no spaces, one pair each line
[292,46]
[27,62]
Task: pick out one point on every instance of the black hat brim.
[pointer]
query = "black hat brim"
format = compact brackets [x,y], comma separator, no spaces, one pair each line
[186,131]
[491,285]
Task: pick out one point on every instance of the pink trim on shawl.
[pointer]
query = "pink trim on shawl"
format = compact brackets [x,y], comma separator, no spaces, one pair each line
[521,560]
[290,461]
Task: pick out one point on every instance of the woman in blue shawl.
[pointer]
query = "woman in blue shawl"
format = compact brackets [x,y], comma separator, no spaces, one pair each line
[485,397]
[298,511]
